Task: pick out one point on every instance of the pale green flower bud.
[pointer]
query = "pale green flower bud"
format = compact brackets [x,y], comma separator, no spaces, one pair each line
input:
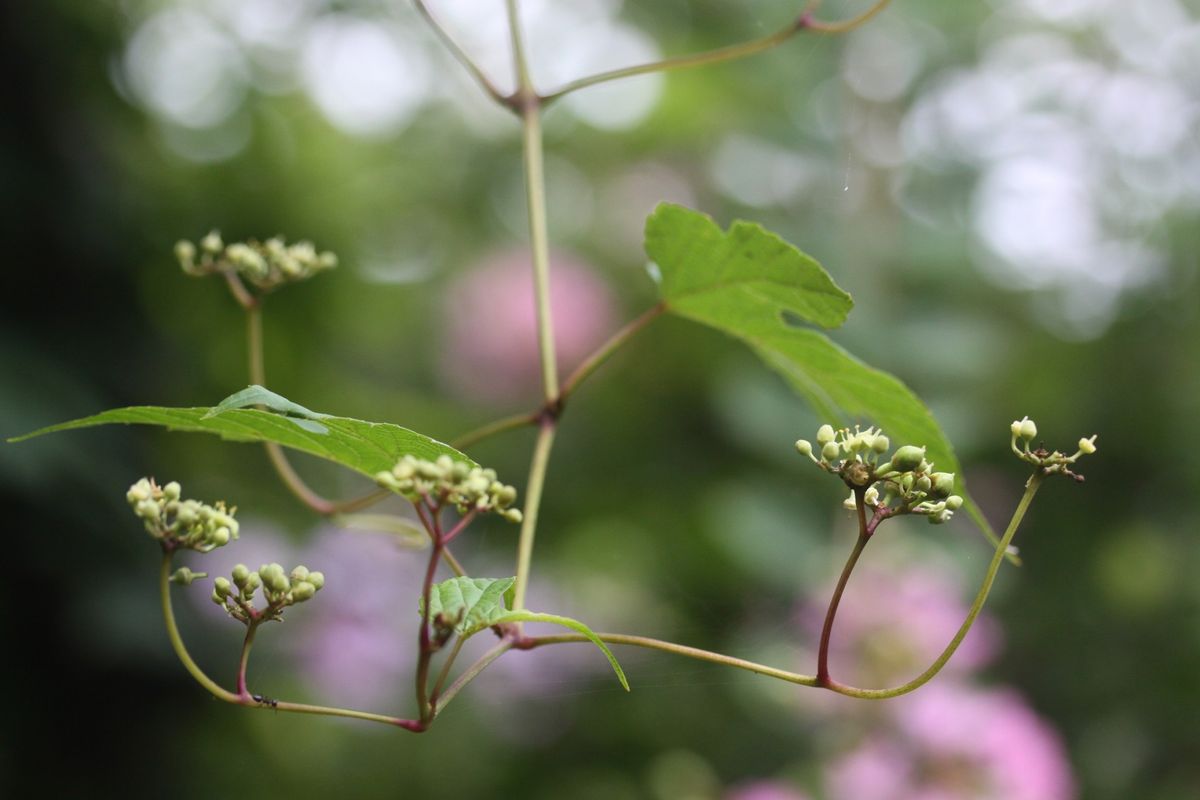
[316,579]
[1087,446]
[240,575]
[185,254]
[943,484]
[300,573]
[277,582]
[831,451]
[219,537]
[884,468]
[923,484]
[138,492]
[825,434]
[1015,427]
[512,515]
[185,577]
[303,590]
[804,447]
[212,243]
[954,502]
[1028,429]
[881,444]
[172,490]
[221,588]
[908,458]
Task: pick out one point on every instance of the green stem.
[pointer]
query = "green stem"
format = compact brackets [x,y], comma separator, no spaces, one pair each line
[472,672]
[605,351]
[803,22]
[533,499]
[535,191]
[493,428]
[530,642]
[445,672]
[461,56]
[164,582]
[529,106]
[997,559]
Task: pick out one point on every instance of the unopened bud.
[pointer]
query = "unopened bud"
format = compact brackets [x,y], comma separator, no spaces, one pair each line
[881,444]
[943,484]
[831,451]
[804,447]
[317,579]
[1087,446]
[222,588]
[954,502]
[185,577]
[303,590]
[240,575]
[825,434]
[908,458]
[1028,429]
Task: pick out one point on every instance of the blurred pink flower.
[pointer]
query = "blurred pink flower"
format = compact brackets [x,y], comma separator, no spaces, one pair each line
[491,351]
[895,620]
[951,742]
[764,790]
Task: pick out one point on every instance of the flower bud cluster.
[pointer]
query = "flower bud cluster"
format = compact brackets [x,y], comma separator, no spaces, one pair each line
[451,482]
[1050,462]
[178,523]
[905,483]
[279,589]
[264,264]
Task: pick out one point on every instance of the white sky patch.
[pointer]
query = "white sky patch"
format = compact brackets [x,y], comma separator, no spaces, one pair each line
[184,68]
[362,75]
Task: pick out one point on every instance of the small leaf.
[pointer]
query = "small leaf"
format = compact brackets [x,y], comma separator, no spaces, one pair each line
[477,603]
[573,624]
[256,395]
[754,286]
[368,447]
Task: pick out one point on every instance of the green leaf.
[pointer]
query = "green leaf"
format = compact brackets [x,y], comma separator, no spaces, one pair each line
[477,603]
[368,447]
[754,286]
[575,625]
[723,279]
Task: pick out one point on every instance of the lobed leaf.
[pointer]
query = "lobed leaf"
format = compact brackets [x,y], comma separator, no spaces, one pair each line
[367,447]
[752,285]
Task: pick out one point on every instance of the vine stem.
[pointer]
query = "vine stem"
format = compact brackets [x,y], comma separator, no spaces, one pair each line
[606,350]
[803,22]
[461,56]
[529,106]
[472,672]
[864,535]
[216,690]
[1031,488]
[532,642]
[492,429]
[251,629]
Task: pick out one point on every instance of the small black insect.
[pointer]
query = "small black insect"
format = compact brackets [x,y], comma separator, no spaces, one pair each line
[264,700]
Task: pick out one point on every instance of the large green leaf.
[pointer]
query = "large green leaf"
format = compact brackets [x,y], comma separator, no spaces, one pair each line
[368,447]
[751,284]
[726,279]
[479,603]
